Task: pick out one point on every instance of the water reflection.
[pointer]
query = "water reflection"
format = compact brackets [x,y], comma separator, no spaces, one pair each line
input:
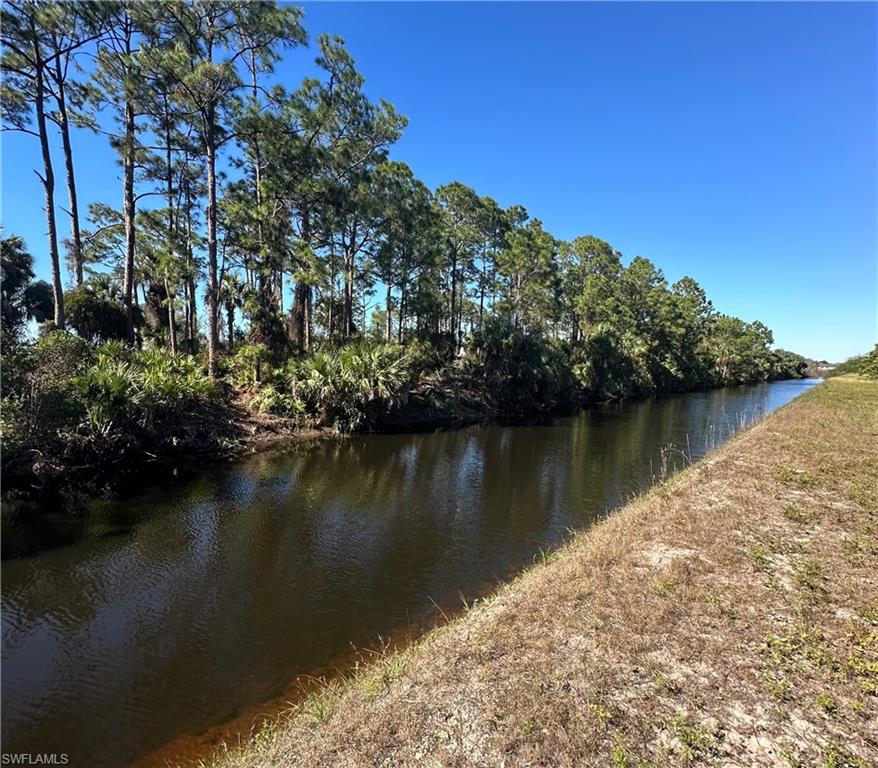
[180,608]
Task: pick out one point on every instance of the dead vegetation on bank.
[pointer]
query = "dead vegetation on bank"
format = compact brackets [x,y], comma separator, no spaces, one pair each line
[729,617]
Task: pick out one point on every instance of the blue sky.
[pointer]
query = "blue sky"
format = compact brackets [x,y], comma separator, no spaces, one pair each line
[732,142]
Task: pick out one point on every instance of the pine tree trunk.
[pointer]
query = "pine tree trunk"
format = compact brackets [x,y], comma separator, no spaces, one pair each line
[297,315]
[309,317]
[186,317]
[64,124]
[48,179]
[451,323]
[402,308]
[389,330]
[482,285]
[349,327]
[212,278]
[333,273]
[257,185]
[172,319]
[191,317]
[300,319]
[212,283]
[129,213]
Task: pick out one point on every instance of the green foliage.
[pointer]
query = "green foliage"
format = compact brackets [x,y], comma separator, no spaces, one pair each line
[110,396]
[740,350]
[532,280]
[270,399]
[632,334]
[425,356]
[787,365]
[351,387]
[864,365]
[21,299]
[247,365]
[519,370]
[95,312]
[37,394]
[125,386]
[610,364]
[696,740]
[169,384]
[56,358]
[66,397]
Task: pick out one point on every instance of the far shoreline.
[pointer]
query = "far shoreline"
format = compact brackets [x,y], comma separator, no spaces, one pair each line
[239,432]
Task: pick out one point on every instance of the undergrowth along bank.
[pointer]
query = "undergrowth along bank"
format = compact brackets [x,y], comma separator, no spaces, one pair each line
[73,409]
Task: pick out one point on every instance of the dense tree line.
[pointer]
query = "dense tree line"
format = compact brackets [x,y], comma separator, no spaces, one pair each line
[263,230]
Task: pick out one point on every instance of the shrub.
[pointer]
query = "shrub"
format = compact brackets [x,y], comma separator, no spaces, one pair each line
[58,356]
[787,365]
[68,398]
[351,387]
[425,356]
[38,378]
[520,370]
[270,399]
[38,400]
[127,390]
[170,384]
[245,367]
[109,395]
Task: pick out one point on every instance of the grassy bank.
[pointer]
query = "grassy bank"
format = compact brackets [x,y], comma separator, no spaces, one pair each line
[728,617]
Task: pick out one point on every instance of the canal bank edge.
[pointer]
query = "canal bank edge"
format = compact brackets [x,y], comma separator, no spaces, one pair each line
[730,615]
[228,430]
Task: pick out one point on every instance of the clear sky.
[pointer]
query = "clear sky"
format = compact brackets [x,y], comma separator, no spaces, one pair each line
[734,142]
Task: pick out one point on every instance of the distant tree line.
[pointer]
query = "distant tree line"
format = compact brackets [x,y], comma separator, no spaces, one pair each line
[862,365]
[263,229]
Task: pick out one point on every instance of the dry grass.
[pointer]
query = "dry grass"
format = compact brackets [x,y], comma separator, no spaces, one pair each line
[729,617]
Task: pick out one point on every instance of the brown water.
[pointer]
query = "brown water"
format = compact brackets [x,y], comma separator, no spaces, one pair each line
[186,606]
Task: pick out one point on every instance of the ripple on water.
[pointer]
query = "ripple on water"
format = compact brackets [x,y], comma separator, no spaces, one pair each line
[180,608]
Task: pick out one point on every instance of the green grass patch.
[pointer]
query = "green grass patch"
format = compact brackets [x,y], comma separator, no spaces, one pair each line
[793,476]
[796,513]
[759,558]
[838,756]
[810,577]
[827,703]
[697,740]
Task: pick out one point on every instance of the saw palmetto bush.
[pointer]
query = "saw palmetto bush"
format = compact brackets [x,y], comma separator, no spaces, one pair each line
[66,397]
[351,387]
